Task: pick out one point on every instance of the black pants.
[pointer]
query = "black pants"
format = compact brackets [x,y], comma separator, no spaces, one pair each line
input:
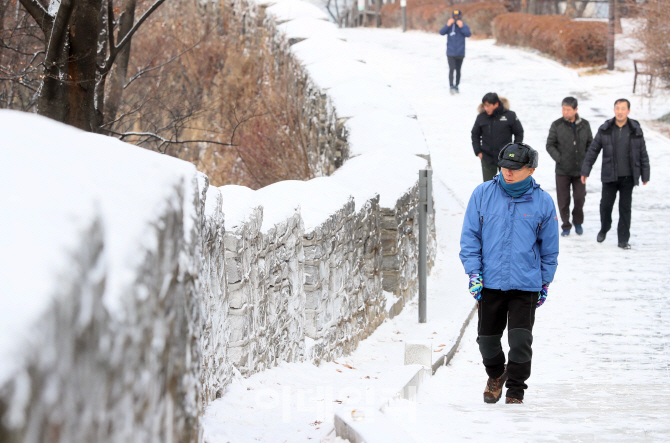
[495,308]
[563,184]
[455,64]
[624,185]
[488,170]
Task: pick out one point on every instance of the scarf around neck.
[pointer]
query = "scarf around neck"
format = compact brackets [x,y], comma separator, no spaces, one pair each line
[516,189]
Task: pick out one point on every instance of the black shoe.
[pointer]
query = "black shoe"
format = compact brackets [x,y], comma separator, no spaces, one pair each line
[601,236]
[624,245]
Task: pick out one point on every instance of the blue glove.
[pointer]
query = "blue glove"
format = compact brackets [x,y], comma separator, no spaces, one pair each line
[476,286]
[542,296]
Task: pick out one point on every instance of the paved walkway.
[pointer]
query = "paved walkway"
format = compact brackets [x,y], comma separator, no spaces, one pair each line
[602,341]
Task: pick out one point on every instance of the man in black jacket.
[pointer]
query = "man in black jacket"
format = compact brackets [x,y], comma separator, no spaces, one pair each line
[493,129]
[569,139]
[625,160]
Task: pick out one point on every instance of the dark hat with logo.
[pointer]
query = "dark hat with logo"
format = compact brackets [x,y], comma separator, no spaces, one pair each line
[517,155]
[456,13]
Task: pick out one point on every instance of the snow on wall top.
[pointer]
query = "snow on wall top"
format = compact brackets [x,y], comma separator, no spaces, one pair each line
[290,9]
[55,181]
[385,137]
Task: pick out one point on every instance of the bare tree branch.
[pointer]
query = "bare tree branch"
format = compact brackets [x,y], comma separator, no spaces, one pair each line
[114,51]
[147,70]
[110,24]
[41,16]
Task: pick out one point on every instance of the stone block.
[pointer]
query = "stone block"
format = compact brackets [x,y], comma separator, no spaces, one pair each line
[419,353]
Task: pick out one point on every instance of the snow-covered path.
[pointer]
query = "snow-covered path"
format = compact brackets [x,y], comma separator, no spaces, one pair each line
[601,365]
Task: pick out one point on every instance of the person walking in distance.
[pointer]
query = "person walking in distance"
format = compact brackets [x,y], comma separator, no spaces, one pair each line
[456,31]
[494,127]
[625,161]
[509,248]
[569,139]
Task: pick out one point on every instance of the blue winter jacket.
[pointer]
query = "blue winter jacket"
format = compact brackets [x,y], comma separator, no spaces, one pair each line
[456,39]
[512,241]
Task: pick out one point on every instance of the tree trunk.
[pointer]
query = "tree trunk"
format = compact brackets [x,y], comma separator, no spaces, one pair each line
[52,100]
[532,6]
[119,74]
[582,8]
[571,9]
[82,67]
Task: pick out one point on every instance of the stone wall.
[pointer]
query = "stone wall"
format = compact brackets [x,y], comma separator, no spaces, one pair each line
[323,132]
[94,374]
[207,302]
[265,292]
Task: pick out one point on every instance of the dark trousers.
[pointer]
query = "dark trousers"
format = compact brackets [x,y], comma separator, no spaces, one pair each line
[624,186]
[495,309]
[488,170]
[455,64]
[563,183]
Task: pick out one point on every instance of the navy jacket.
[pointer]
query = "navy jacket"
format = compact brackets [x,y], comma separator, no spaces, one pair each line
[639,159]
[456,39]
[512,242]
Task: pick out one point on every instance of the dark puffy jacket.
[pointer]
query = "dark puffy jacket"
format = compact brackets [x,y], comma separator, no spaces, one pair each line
[456,39]
[639,159]
[492,132]
[568,146]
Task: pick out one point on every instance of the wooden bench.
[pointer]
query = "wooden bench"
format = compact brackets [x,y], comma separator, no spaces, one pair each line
[642,67]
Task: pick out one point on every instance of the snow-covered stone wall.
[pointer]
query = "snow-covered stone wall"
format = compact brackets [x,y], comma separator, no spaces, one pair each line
[100,292]
[131,291]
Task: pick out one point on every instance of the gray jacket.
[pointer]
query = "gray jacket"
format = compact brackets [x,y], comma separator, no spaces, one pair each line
[568,147]
[639,159]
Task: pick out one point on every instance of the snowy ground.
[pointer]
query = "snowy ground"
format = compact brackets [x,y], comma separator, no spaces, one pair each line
[601,352]
[602,341]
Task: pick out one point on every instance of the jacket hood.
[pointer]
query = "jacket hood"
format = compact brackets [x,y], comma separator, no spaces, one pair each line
[634,124]
[503,102]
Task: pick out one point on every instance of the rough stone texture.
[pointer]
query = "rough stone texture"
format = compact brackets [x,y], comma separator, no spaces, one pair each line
[216,365]
[265,273]
[345,302]
[324,133]
[400,246]
[93,374]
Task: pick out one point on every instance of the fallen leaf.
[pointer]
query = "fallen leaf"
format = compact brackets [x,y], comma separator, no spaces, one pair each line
[347,366]
[367,377]
[338,370]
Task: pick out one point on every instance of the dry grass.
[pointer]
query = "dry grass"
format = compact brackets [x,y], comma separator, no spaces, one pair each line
[655,37]
[209,73]
[571,42]
[431,15]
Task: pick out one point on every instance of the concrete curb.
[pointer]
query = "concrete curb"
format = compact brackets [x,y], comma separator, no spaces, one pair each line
[370,425]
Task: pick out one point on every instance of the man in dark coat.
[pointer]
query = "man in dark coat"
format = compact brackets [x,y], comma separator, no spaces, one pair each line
[494,127]
[456,32]
[625,160]
[569,139]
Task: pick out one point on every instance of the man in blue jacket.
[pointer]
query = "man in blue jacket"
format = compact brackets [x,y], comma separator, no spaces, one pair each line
[509,248]
[456,32]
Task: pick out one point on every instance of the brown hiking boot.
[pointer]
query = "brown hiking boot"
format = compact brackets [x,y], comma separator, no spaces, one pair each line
[494,387]
[513,401]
